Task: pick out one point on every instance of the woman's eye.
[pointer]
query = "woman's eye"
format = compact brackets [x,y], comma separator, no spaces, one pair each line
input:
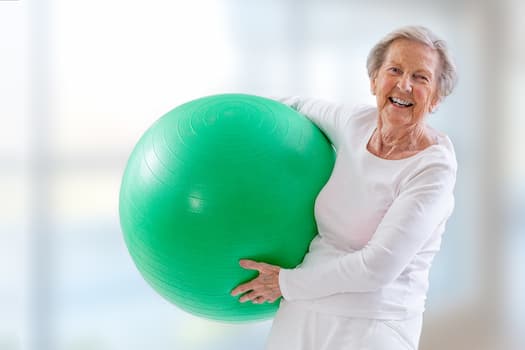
[394,70]
[422,78]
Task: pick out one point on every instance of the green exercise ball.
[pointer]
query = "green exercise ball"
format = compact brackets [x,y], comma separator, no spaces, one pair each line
[213,181]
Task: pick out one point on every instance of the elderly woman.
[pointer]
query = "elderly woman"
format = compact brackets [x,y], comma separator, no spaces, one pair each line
[364,280]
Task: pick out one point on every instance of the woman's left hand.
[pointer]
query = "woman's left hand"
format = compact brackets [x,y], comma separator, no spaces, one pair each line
[264,287]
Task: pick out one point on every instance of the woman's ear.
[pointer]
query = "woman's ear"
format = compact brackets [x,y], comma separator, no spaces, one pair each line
[436,100]
[373,84]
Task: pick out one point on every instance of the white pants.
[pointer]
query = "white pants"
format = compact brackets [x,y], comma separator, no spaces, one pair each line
[298,328]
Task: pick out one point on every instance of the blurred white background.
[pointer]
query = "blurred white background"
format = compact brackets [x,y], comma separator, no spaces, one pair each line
[80,81]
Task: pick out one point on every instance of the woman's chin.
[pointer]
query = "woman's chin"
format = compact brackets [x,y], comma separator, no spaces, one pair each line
[400,118]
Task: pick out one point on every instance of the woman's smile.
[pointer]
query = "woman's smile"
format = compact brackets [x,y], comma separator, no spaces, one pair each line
[400,103]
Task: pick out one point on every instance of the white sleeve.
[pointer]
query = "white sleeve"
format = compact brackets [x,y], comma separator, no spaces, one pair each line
[329,117]
[424,203]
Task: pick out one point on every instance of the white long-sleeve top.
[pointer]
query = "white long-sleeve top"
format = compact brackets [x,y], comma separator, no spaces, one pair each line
[380,221]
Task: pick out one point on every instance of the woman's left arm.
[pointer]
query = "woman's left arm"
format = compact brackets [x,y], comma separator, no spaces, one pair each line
[424,203]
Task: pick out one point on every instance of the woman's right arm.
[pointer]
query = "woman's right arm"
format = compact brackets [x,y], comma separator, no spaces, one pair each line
[329,117]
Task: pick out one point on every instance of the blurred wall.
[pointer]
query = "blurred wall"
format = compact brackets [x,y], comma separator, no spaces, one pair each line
[81,81]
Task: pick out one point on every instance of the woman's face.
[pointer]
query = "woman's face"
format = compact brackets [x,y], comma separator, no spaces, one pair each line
[405,85]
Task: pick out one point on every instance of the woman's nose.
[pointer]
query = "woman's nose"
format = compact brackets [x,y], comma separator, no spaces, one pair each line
[404,84]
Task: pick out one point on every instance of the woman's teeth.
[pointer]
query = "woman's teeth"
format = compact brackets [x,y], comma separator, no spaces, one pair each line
[400,102]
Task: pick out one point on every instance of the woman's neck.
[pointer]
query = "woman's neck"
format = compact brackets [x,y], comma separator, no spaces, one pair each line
[399,142]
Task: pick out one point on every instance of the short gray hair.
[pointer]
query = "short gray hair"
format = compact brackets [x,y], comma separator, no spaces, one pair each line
[448,76]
